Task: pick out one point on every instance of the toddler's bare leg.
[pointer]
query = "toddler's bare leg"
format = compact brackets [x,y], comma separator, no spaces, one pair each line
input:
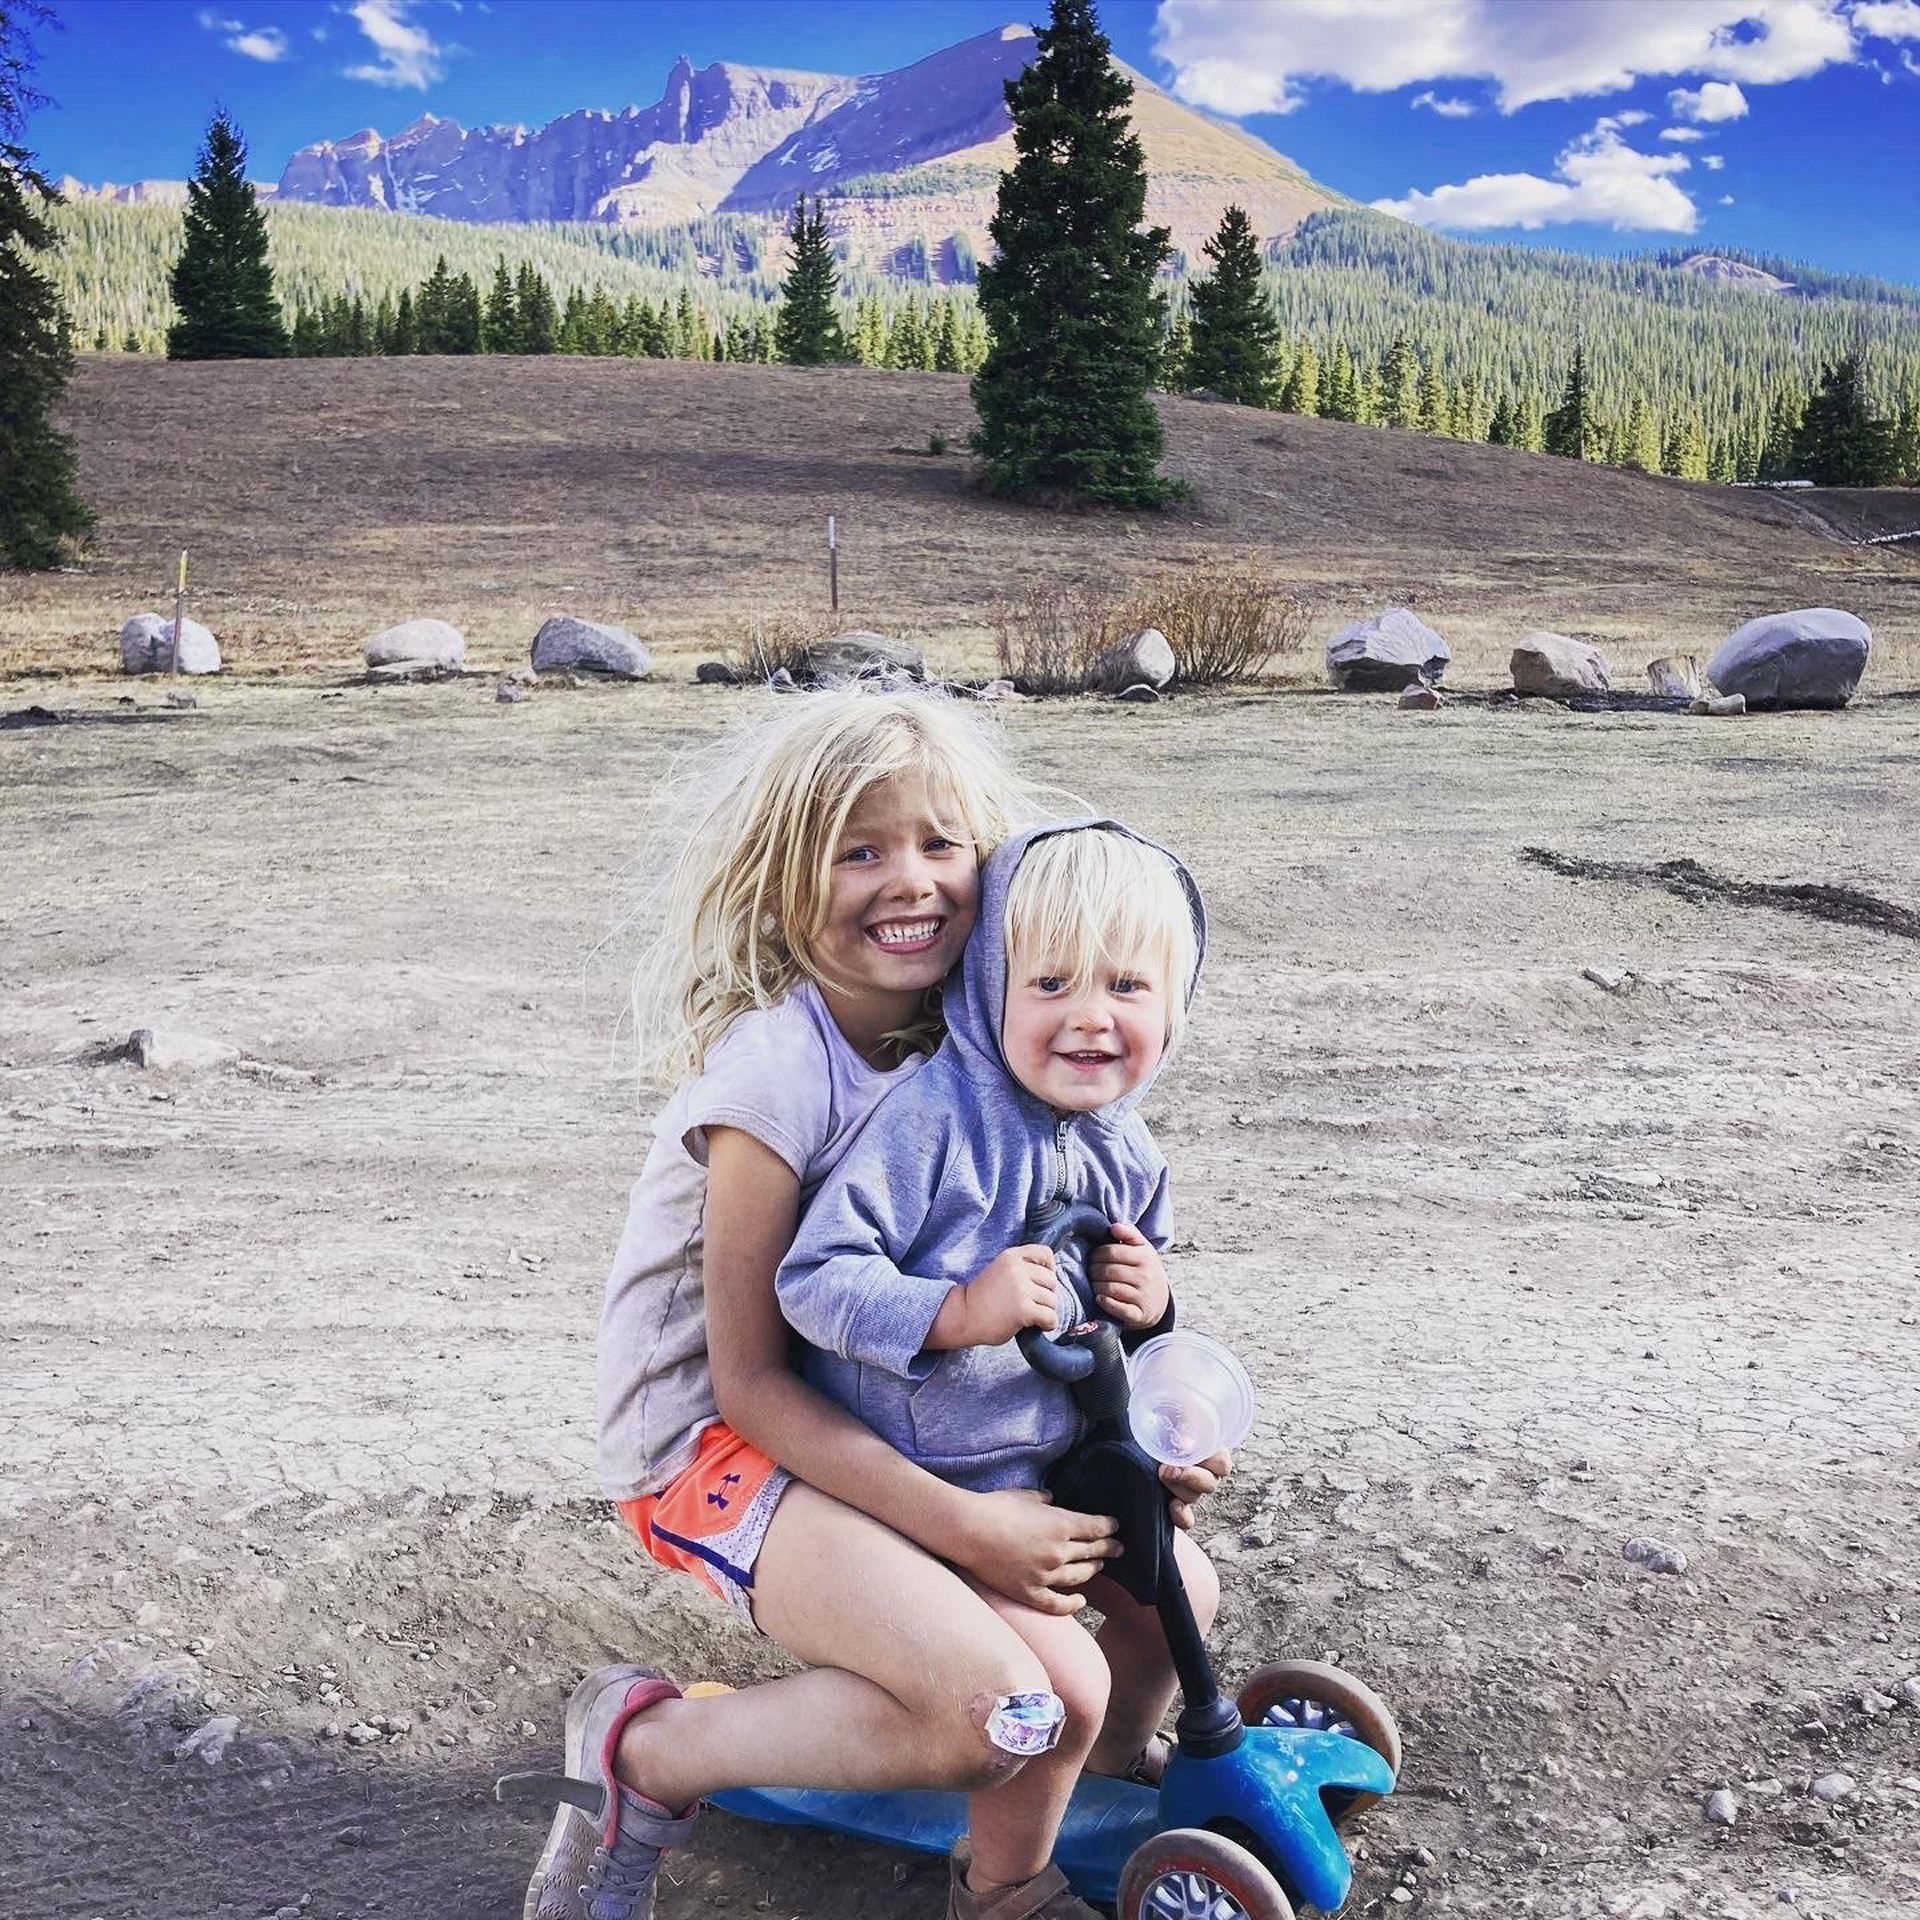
[1136,1652]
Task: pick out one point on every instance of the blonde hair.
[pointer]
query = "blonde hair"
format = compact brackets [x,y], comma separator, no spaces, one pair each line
[747,898]
[1091,902]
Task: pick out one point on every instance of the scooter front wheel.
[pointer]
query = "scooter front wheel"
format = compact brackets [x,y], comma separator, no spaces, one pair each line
[1188,1873]
[1311,1694]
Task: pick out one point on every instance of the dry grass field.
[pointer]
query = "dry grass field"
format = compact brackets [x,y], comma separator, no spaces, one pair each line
[323,500]
[299,1537]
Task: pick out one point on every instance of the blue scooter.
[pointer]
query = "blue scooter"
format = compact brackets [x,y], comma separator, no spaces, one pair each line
[1244,1823]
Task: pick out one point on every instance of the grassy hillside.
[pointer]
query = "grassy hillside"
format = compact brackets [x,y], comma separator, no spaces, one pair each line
[324,499]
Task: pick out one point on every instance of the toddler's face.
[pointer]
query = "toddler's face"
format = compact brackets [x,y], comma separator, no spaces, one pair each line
[902,896]
[1078,1051]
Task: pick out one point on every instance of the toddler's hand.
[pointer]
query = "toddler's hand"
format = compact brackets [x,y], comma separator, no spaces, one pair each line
[1129,1280]
[1012,1291]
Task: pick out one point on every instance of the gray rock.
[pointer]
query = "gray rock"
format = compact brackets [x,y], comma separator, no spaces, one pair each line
[1724,706]
[715,673]
[1654,1556]
[565,641]
[507,691]
[1145,660]
[1607,979]
[1390,650]
[1000,690]
[210,1741]
[857,653]
[146,646]
[362,1735]
[1813,657]
[1139,694]
[1908,1693]
[1421,699]
[1557,667]
[432,642]
[1833,1786]
[1675,677]
[781,681]
[1722,1808]
[169,1050]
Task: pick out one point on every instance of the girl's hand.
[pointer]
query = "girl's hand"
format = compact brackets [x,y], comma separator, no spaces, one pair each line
[1021,1545]
[1189,1485]
[1128,1278]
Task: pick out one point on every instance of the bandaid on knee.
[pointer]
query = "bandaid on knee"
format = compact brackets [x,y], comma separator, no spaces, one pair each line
[1025,1723]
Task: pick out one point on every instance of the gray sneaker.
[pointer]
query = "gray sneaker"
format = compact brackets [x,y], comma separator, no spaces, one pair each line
[604,1851]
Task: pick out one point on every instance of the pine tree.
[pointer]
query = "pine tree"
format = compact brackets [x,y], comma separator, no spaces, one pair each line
[946,344]
[221,283]
[1501,428]
[870,332]
[1342,395]
[463,316]
[433,311]
[536,318]
[309,340]
[1235,333]
[1176,356]
[499,325]
[1400,386]
[1569,428]
[1528,430]
[1906,446]
[1063,398]
[689,334]
[1683,456]
[406,332]
[1436,404]
[903,338]
[1640,439]
[1301,394]
[41,514]
[1841,443]
[809,331]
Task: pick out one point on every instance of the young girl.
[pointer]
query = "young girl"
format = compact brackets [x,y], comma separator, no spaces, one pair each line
[825,890]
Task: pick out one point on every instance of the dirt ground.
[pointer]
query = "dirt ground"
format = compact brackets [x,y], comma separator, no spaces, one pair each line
[297,1422]
[322,500]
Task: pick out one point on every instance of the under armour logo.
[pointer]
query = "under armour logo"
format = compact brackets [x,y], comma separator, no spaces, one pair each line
[720,1499]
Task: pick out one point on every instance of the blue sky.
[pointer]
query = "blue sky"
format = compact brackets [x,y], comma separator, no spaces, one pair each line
[1789,126]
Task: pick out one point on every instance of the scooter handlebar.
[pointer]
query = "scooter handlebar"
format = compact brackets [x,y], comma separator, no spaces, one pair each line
[1076,1220]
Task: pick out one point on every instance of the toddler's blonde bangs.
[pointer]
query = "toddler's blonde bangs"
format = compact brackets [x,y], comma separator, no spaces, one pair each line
[1088,904]
[749,895]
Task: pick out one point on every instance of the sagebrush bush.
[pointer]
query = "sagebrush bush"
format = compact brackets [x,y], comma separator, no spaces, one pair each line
[1224,620]
[759,647]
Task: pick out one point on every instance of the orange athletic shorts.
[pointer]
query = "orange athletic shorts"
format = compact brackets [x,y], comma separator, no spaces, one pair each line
[710,1518]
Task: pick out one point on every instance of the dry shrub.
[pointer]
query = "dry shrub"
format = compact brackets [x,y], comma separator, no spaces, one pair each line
[760,646]
[1051,641]
[1224,620]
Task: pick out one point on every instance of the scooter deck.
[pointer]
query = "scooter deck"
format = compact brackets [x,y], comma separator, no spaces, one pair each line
[1105,1821]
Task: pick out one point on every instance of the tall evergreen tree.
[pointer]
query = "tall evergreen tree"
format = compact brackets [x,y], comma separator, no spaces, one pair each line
[1063,398]
[808,334]
[1684,456]
[1235,332]
[1501,429]
[1906,446]
[1569,428]
[1400,385]
[536,318]
[221,283]
[1301,394]
[1841,443]
[41,513]
[499,327]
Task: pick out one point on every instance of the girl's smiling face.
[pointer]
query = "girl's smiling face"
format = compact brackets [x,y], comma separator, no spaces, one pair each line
[901,898]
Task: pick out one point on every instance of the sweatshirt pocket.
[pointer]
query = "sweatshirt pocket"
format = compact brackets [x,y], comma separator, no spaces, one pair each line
[986,1402]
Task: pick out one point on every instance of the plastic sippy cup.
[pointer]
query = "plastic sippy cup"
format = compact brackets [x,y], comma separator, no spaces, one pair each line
[1191,1398]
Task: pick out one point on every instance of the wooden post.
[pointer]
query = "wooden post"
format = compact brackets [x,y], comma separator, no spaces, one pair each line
[179,614]
[833,563]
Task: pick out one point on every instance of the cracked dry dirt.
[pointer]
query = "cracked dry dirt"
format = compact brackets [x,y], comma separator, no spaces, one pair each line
[297,1415]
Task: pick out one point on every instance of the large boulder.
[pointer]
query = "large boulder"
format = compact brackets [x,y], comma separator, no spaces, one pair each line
[1810,658]
[1560,668]
[567,642]
[1393,649]
[430,643]
[1144,661]
[848,656]
[146,646]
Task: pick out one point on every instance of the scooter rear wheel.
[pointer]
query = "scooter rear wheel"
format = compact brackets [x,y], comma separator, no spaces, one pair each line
[1309,1693]
[1188,1873]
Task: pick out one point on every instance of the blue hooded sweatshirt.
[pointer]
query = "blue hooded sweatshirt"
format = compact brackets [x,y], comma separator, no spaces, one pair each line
[943,1178]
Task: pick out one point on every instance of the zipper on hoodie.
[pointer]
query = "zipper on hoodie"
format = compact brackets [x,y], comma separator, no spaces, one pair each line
[1061,1124]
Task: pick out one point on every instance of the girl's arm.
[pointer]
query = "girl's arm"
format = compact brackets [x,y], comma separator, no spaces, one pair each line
[1016,1542]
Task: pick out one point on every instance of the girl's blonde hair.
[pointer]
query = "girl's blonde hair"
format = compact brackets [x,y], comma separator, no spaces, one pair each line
[747,898]
[1090,903]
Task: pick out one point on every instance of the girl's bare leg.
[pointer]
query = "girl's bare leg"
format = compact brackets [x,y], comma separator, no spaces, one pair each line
[1014,1824]
[910,1663]
[1136,1653]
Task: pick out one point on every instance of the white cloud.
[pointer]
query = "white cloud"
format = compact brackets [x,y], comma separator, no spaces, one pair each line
[256,43]
[407,54]
[1713,162]
[1888,19]
[1726,200]
[1251,56]
[1708,105]
[1683,133]
[1600,180]
[1446,109]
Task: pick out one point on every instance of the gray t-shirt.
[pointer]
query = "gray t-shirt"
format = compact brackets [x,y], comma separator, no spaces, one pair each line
[785,1075]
